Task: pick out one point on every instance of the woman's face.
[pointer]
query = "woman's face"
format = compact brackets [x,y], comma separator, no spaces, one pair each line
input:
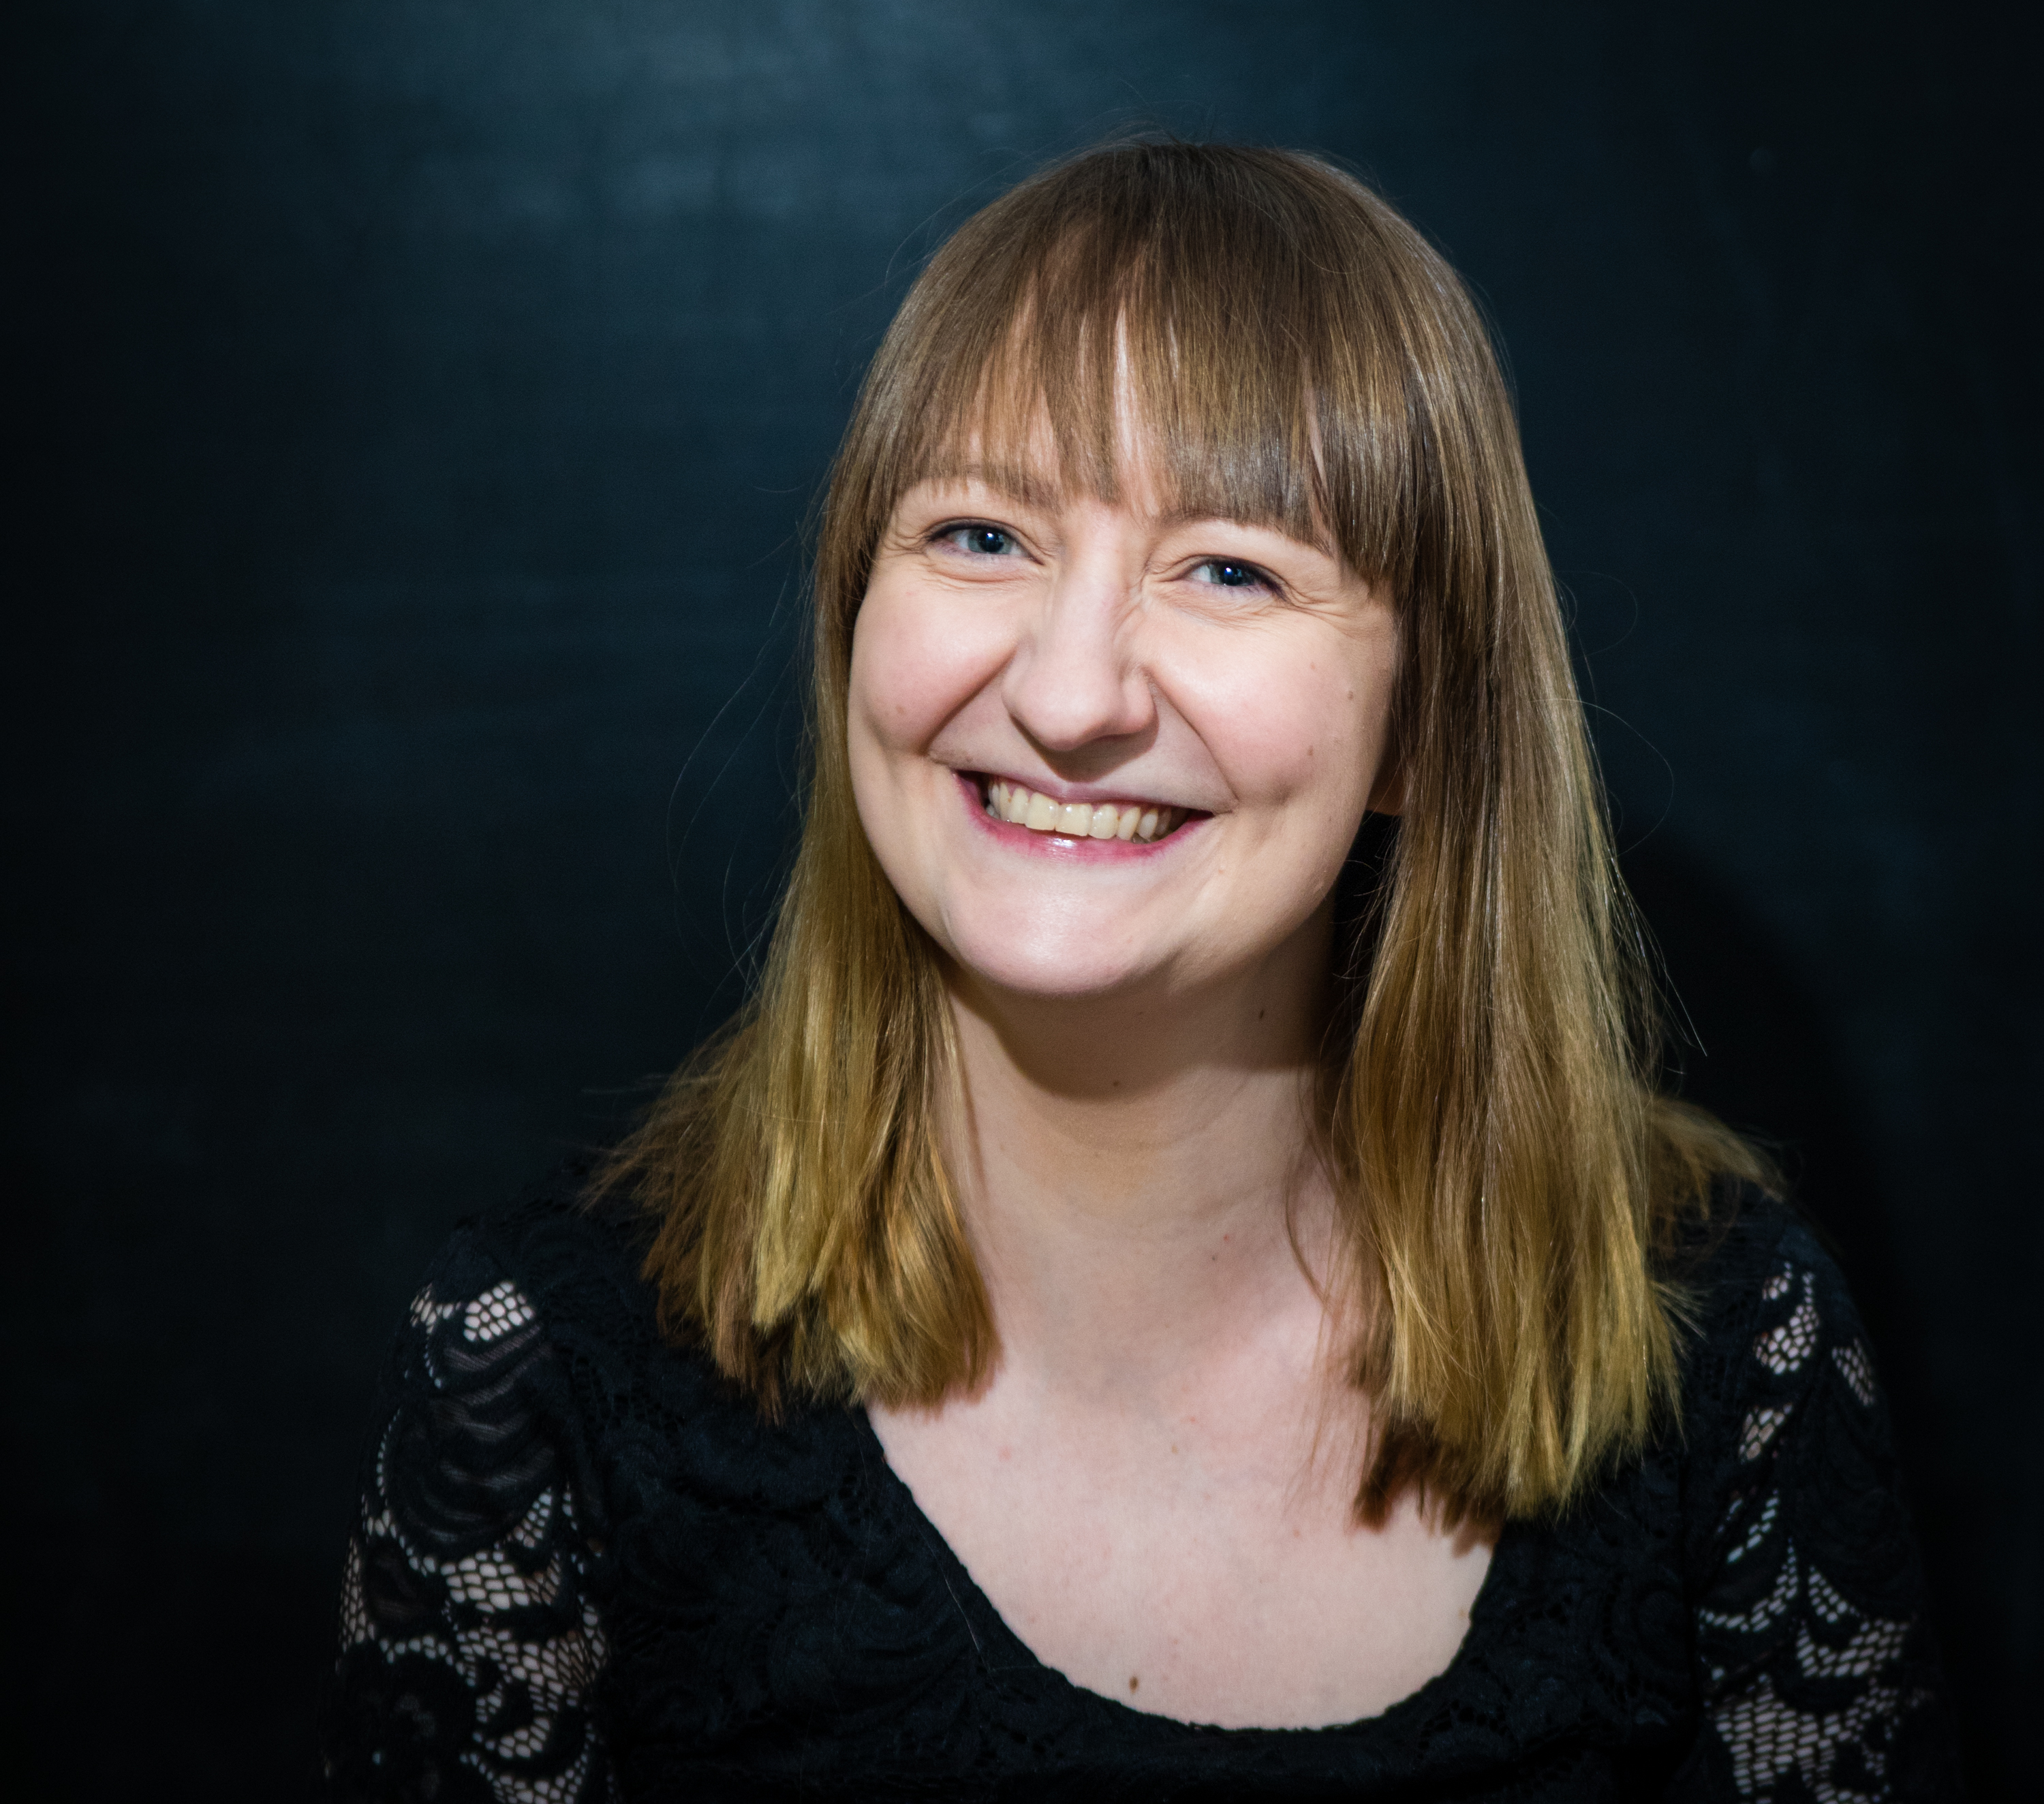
[1098,747]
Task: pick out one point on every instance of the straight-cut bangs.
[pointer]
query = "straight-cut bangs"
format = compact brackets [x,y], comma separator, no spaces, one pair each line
[1240,324]
[1271,343]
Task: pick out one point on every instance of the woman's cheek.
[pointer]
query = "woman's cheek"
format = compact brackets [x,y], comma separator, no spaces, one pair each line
[914,660]
[1290,736]
[884,679]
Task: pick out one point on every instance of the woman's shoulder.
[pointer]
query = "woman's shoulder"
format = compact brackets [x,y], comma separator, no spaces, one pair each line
[547,1293]
[637,1397]
[557,1255]
[1776,1364]
[1765,1301]
[550,1240]
[570,1261]
[1722,1250]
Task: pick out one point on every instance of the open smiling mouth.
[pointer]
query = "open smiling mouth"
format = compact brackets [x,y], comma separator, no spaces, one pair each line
[1021,806]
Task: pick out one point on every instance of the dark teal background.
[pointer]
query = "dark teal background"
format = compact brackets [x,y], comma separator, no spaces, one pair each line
[415,406]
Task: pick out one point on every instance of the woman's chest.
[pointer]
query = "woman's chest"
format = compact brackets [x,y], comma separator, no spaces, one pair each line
[1212,1571]
[773,1604]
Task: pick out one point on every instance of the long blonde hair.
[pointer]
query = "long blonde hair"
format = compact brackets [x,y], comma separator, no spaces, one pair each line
[1301,358]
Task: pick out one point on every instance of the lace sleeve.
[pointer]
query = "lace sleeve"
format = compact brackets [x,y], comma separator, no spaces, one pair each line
[469,1641]
[1820,1678]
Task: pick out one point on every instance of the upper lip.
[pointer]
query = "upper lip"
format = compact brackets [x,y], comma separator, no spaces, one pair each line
[1092,792]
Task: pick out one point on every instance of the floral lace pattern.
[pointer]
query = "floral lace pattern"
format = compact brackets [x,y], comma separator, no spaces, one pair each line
[1811,1633]
[470,1643]
[584,1570]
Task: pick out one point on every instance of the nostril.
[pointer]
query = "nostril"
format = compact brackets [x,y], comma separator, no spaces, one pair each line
[1065,698]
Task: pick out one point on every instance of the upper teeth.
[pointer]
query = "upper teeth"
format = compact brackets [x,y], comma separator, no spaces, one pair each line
[1079,821]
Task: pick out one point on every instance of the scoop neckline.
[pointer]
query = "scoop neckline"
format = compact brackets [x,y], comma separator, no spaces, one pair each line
[981,1616]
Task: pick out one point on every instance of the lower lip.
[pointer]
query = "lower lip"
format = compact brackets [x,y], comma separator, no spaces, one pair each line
[1065,845]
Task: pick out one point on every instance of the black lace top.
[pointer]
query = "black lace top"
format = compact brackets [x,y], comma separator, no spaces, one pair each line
[584,1569]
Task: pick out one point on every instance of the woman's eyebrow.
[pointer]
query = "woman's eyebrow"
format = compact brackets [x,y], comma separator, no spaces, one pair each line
[1174,519]
[1011,481]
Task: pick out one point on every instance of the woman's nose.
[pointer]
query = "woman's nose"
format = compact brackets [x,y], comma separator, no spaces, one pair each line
[1075,678]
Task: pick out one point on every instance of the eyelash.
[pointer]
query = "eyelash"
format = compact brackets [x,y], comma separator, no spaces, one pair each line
[1258,577]
[959,526]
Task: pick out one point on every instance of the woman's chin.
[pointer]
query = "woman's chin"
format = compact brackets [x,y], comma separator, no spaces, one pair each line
[1051,972]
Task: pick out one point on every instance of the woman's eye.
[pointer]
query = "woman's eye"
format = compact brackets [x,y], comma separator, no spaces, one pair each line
[1226,573]
[979,541]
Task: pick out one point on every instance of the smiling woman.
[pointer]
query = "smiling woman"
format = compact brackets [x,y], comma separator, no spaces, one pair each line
[1101,666]
[1145,1273]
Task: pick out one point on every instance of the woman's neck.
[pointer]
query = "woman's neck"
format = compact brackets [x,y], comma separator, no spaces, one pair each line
[1139,1177]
